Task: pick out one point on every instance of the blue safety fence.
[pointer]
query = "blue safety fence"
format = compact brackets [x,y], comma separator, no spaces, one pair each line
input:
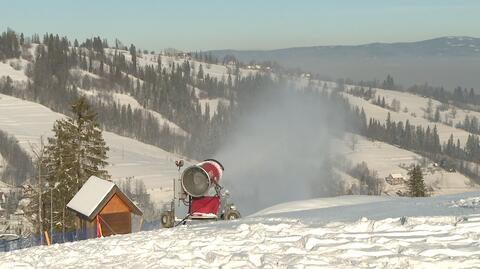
[59,237]
[151,225]
[9,244]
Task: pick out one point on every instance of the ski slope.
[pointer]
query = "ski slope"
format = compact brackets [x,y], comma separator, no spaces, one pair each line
[28,122]
[440,232]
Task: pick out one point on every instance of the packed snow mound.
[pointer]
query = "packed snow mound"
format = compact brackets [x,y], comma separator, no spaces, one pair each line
[443,237]
[320,203]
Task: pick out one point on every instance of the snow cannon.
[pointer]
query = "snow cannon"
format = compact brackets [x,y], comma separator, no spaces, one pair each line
[203,205]
[197,179]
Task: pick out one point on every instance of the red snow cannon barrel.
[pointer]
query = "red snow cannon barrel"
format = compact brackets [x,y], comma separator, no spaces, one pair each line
[197,179]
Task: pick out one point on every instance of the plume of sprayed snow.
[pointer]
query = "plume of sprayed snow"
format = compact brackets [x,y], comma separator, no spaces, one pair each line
[279,149]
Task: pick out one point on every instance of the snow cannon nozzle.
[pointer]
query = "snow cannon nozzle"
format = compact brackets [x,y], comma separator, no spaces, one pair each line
[197,179]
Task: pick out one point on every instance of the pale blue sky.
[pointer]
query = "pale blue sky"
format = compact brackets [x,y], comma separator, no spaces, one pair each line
[244,24]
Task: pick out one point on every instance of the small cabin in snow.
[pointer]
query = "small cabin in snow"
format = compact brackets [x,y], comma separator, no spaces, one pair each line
[395,179]
[101,202]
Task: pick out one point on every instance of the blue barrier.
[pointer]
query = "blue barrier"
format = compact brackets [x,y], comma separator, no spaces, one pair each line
[151,225]
[59,237]
[35,240]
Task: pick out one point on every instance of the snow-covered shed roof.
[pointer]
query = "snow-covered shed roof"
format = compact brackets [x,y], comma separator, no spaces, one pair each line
[396,176]
[94,195]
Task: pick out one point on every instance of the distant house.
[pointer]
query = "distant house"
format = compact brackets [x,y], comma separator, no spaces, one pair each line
[395,179]
[102,202]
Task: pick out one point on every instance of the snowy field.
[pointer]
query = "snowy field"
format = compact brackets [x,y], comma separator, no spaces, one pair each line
[28,121]
[440,232]
[388,159]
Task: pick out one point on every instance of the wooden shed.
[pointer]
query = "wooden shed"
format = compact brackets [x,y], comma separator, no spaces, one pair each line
[101,202]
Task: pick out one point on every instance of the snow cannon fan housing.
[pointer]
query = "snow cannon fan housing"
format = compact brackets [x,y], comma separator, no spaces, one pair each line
[197,179]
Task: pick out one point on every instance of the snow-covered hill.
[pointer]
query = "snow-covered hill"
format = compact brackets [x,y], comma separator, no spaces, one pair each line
[440,232]
[127,100]
[387,159]
[28,122]
[417,104]
[383,158]
[213,70]
[379,113]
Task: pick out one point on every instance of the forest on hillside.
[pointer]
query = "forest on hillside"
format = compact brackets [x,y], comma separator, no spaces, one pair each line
[170,89]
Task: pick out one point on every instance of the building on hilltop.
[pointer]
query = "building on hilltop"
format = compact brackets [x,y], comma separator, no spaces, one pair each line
[395,179]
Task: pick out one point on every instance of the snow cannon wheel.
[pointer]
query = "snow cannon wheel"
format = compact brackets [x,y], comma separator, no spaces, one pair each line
[231,214]
[167,220]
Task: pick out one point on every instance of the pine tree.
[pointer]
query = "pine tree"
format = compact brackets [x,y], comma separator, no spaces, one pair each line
[416,185]
[200,72]
[76,152]
[437,115]
[133,53]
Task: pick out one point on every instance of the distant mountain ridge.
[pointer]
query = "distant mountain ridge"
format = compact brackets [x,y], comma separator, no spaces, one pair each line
[444,61]
[455,45]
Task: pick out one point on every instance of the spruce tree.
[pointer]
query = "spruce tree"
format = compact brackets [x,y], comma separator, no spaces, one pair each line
[76,152]
[416,185]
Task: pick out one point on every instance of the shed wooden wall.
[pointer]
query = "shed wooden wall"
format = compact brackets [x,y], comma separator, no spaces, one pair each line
[116,218]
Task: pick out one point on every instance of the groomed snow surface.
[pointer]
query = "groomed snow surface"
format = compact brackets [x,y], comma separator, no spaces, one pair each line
[439,232]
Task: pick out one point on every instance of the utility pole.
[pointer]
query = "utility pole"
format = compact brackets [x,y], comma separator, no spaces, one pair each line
[40,220]
[63,220]
[39,155]
[51,214]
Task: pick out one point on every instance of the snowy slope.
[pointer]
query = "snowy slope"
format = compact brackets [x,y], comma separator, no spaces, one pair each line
[417,104]
[213,70]
[396,233]
[125,99]
[212,103]
[379,113]
[6,69]
[28,121]
[387,159]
